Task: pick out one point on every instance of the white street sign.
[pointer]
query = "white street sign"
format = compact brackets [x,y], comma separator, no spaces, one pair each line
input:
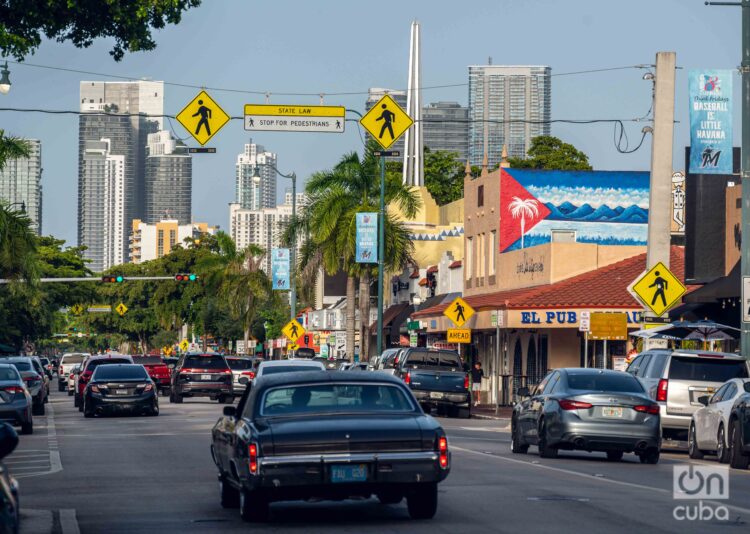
[284,118]
[584,325]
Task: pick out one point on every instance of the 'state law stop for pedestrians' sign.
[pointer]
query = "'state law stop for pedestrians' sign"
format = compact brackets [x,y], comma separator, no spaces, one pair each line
[278,118]
[202,117]
[386,121]
[658,289]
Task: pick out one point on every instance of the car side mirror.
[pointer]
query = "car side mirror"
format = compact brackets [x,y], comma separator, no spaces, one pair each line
[230,411]
[523,392]
[243,380]
[8,440]
[703,400]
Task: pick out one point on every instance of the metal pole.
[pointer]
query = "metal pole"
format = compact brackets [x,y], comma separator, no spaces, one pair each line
[497,363]
[381,260]
[294,248]
[745,257]
[585,349]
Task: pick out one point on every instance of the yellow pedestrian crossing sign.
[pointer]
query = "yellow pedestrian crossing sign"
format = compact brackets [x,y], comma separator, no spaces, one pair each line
[77,309]
[184,344]
[386,121]
[658,289]
[459,311]
[202,117]
[293,330]
[293,346]
[121,309]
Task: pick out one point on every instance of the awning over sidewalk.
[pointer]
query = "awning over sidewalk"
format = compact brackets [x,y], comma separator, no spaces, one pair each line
[726,287]
[389,315]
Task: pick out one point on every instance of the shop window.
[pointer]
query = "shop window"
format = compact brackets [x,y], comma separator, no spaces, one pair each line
[543,352]
[532,369]
[491,251]
[518,367]
[469,273]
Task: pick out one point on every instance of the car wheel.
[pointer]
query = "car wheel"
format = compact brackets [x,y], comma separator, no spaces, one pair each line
[253,506]
[545,451]
[230,496]
[422,502]
[614,456]
[154,410]
[76,401]
[27,428]
[651,456]
[60,386]
[517,445]
[722,451]
[87,410]
[693,451]
[70,393]
[390,497]
[46,397]
[736,458]
[37,409]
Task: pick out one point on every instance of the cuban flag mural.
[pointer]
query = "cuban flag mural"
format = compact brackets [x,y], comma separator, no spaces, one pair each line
[604,207]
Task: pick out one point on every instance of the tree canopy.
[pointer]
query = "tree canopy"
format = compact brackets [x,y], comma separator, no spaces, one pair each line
[549,152]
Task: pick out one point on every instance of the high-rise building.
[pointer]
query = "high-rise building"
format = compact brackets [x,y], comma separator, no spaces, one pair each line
[169,177]
[123,114]
[252,193]
[375,94]
[152,241]
[445,126]
[508,105]
[21,184]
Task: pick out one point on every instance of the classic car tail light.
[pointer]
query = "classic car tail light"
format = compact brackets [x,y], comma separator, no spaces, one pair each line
[653,409]
[442,446]
[407,378]
[466,382]
[661,390]
[567,404]
[252,461]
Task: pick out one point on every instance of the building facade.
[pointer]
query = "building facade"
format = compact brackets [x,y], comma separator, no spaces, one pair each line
[508,105]
[152,241]
[21,184]
[252,193]
[169,178]
[445,126]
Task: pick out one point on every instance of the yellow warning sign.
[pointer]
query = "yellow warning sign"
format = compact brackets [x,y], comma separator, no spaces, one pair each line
[121,309]
[77,309]
[386,121]
[184,344]
[293,330]
[459,335]
[459,311]
[292,346]
[202,117]
[658,289]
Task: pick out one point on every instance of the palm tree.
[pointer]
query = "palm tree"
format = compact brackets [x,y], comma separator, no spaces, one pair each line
[523,208]
[18,245]
[12,148]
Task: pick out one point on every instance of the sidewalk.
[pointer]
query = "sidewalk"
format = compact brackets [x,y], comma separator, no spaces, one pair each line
[487,411]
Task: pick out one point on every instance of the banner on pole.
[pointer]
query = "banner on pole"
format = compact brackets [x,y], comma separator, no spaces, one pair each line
[280,268]
[367,238]
[710,96]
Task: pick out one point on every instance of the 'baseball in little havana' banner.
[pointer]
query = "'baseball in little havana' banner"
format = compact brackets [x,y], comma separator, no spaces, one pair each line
[710,96]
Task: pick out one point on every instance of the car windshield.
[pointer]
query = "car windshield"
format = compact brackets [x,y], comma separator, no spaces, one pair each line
[334,398]
[93,364]
[22,366]
[239,364]
[120,372]
[72,358]
[148,360]
[8,373]
[275,369]
[604,382]
[706,369]
[205,362]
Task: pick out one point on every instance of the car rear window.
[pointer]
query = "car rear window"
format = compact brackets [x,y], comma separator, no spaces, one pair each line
[148,360]
[22,366]
[334,398]
[205,362]
[604,382]
[276,369]
[120,372]
[432,360]
[238,364]
[93,364]
[9,373]
[706,369]
[72,359]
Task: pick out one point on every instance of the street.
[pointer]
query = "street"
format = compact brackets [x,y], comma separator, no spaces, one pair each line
[145,474]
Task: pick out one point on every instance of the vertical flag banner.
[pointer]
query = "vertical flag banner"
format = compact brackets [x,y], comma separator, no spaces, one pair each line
[280,268]
[710,95]
[367,238]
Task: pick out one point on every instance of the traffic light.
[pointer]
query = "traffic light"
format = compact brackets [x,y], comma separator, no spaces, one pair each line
[113,279]
[186,277]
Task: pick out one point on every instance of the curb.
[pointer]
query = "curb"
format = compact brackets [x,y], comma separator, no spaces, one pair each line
[491,417]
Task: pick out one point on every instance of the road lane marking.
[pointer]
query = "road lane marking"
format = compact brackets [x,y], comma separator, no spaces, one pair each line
[53,453]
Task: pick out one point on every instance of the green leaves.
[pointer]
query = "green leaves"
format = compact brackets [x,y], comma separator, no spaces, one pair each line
[549,152]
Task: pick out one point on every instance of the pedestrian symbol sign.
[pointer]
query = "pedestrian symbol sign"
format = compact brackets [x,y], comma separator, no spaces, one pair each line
[386,121]
[293,330]
[184,344]
[76,309]
[658,289]
[459,311]
[121,309]
[202,117]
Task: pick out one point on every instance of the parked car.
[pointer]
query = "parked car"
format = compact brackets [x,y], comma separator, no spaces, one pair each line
[387,361]
[273,367]
[158,371]
[170,361]
[87,370]
[677,378]
[36,362]
[328,435]
[34,379]
[240,367]
[356,366]
[202,375]
[15,399]
[709,427]
[71,386]
[589,410]
[120,388]
[10,519]
[437,378]
[304,352]
[49,367]
[739,430]
[67,362]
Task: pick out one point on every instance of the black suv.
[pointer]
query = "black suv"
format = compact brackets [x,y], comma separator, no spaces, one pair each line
[202,375]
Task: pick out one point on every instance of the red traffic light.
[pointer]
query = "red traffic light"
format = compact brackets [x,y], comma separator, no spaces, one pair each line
[113,279]
[186,277]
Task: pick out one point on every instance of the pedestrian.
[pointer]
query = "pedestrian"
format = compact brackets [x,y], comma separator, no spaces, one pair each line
[476,381]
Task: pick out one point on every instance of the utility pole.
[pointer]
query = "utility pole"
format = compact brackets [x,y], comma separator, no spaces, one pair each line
[381,263]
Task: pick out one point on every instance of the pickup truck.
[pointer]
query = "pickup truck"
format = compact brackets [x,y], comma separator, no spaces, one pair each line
[437,378]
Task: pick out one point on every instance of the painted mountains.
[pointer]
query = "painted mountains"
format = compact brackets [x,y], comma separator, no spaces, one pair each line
[570,212]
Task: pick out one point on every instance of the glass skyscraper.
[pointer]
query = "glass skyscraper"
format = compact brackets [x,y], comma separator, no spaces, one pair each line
[20,184]
[445,126]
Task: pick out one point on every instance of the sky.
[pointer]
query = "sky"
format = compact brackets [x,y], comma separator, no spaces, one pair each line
[333,46]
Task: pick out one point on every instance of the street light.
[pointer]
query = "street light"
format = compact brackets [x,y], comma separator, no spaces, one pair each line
[5,79]
[293,177]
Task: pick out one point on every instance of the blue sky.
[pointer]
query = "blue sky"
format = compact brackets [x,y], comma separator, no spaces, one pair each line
[347,46]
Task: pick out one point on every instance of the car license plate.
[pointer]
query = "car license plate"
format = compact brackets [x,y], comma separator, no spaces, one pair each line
[205,377]
[612,411]
[436,395]
[121,392]
[349,473]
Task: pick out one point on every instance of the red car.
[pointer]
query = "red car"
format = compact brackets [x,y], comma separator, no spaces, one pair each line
[157,370]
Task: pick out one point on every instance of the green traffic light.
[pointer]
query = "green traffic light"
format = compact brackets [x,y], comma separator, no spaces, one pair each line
[193,277]
[120,279]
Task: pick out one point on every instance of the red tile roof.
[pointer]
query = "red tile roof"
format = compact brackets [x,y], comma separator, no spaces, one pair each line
[606,287]
[423,282]
[455,265]
[432,269]
[414,274]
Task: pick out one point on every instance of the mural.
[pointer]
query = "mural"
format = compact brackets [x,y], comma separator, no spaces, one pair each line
[604,207]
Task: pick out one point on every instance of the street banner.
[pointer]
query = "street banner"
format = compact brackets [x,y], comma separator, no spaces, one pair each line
[367,238]
[280,268]
[710,96]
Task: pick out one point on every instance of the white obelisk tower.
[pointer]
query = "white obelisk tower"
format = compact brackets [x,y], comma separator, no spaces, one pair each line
[414,142]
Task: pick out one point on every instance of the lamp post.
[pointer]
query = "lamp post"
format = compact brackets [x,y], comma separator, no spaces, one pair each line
[293,177]
[5,79]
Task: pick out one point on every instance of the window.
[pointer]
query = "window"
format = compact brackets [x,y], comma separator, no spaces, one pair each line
[658,362]
[716,397]
[635,364]
[335,398]
[730,392]
[706,369]
[610,383]
[238,364]
[9,373]
[276,369]
[120,372]
[491,251]
[644,365]
[480,196]
[93,364]
[205,362]
[469,257]
[22,366]
[148,360]
[543,384]
[551,383]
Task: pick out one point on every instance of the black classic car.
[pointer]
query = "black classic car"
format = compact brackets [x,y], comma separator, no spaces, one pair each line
[739,431]
[328,435]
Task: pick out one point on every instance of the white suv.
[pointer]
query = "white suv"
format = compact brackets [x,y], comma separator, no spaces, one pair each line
[67,362]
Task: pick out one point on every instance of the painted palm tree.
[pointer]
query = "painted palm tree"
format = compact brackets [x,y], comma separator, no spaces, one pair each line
[523,208]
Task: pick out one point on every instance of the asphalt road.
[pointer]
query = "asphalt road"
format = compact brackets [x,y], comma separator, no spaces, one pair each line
[155,474]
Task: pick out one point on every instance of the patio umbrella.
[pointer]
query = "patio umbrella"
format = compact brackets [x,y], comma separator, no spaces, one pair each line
[698,330]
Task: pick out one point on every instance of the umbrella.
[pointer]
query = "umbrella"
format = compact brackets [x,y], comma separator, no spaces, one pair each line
[698,330]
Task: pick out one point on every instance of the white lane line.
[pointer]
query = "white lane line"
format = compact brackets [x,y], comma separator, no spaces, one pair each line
[16,462]
[504,430]
[54,452]
[591,477]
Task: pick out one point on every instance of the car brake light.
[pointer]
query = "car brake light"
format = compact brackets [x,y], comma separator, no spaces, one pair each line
[13,389]
[407,378]
[466,382]
[567,404]
[251,374]
[661,390]
[653,409]
[442,446]
[252,453]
